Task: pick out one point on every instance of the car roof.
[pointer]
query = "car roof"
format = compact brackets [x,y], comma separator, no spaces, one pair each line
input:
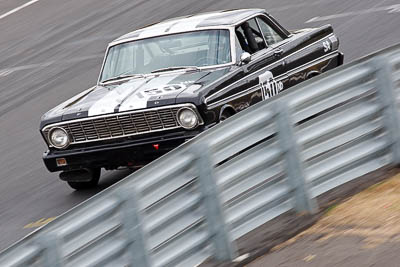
[191,22]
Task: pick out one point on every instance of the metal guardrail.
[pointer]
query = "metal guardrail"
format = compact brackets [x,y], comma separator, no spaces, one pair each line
[276,156]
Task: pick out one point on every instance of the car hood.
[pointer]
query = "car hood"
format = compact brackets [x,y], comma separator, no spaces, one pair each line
[137,93]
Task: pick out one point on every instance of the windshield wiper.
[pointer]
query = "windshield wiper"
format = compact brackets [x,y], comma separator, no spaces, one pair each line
[124,76]
[177,68]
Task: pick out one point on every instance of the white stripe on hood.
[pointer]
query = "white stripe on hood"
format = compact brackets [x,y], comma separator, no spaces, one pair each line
[139,99]
[111,100]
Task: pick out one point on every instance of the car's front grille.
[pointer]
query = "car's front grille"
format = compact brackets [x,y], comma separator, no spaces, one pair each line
[119,125]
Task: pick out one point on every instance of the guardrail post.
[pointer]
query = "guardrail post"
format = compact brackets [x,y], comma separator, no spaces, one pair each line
[50,246]
[225,249]
[386,91]
[292,157]
[133,226]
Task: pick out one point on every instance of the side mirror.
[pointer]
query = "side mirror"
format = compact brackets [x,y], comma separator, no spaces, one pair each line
[245,58]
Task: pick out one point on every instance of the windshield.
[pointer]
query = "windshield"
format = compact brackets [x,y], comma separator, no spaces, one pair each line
[200,48]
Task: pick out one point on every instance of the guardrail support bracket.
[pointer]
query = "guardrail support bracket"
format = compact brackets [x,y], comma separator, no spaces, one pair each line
[133,226]
[225,249]
[386,91]
[292,157]
[51,250]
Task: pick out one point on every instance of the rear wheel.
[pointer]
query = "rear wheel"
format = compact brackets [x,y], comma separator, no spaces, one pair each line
[95,177]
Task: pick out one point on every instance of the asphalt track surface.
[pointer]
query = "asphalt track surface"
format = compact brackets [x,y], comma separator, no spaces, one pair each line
[51,50]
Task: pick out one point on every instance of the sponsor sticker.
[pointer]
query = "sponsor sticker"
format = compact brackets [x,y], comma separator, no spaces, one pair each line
[327,46]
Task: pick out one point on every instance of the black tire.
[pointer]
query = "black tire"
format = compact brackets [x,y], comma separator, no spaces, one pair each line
[226,114]
[87,185]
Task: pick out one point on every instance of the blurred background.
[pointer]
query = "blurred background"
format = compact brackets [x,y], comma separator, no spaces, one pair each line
[51,50]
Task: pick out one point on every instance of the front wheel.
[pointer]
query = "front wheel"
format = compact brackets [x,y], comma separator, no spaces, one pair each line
[226,114]
[95,173]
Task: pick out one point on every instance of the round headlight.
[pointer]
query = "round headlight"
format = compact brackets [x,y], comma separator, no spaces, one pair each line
[58,137]
[187,118]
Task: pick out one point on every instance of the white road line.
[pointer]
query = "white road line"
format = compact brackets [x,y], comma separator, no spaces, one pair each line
[8,71]
[18,8]
[389,9]
[292,6]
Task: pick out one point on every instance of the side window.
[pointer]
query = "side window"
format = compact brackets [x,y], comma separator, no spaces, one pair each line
[250,37]
[257,34]
[270,35]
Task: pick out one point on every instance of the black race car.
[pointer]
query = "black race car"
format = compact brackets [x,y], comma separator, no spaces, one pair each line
[164,84]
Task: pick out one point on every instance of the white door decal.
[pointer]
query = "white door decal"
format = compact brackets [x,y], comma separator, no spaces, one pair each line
[269,86]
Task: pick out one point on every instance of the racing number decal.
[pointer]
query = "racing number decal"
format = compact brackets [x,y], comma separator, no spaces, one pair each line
[327,46]
[269,86]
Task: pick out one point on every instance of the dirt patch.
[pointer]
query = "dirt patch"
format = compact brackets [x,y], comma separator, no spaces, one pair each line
[289,228]
[362,231]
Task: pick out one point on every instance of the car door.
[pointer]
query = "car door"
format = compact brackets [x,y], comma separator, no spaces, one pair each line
[259,75]
[260,78]
[277,41]
[303,54]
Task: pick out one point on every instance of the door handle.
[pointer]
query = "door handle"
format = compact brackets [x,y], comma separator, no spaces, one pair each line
[278,52]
